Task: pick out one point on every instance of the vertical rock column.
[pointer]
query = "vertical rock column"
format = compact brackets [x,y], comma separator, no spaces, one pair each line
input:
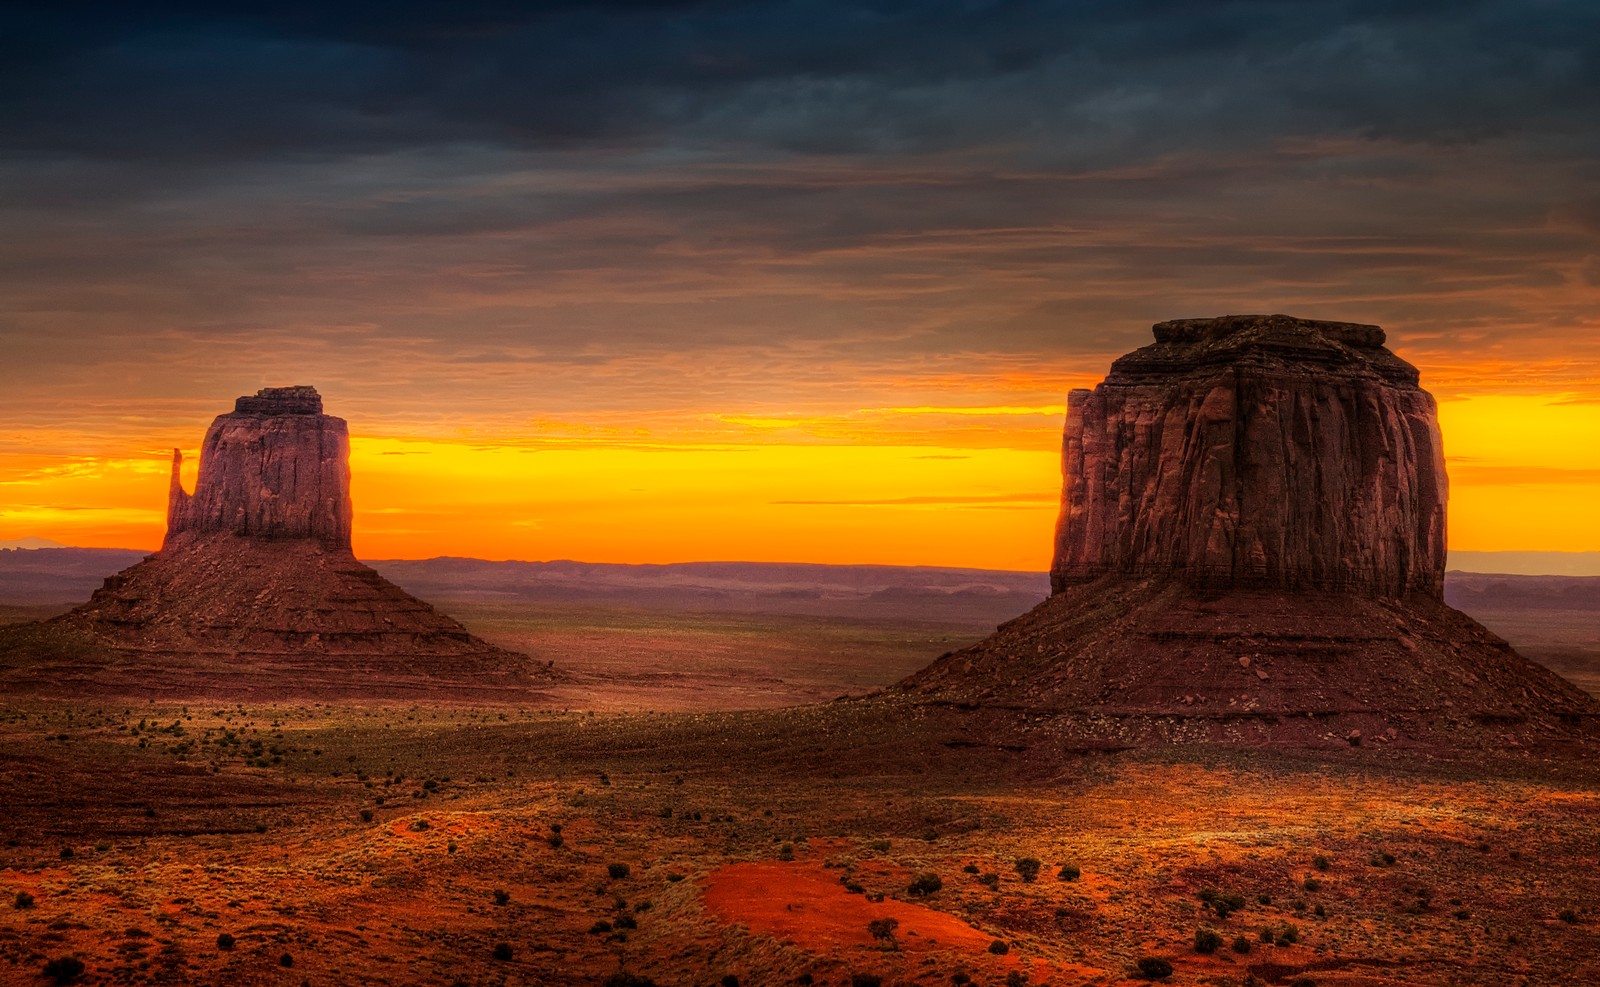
[1256,451]
[276,467]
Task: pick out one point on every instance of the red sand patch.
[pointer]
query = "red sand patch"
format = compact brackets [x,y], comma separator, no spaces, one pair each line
[808,906]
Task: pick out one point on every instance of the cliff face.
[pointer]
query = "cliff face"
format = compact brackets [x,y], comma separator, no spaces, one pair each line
[1251,550]
[1256,451]
[256,589]
[276,467]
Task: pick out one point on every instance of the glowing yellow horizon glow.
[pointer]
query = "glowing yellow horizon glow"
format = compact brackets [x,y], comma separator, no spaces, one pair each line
[898,486]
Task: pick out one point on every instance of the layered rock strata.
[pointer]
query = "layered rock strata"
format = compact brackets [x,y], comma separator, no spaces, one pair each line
[1251,547]
[255,588]
[275,467]
[1258,451]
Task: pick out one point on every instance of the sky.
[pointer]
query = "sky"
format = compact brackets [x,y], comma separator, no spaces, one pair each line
[807,281]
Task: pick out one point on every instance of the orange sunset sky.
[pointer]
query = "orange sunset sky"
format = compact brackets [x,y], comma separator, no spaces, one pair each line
[645,283]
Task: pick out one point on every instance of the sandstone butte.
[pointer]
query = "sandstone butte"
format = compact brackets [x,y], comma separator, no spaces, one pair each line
[256,591]
[1251,547]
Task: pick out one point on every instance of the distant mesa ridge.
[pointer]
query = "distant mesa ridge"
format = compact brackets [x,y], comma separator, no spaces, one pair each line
[1251,547]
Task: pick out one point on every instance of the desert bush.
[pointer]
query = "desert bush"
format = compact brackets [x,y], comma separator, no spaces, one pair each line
[617,871]
[1241,944]
[286,960]
[64,969]
[960,979]
[420,826]
[881,846]
[66,853]
[501,896]
[225,942]
[627,980]
[925,884]
[1320,862]
[1207,941]
[883,928]
[1381,860]
[1016,978]
[1288,933]
[999,947]
[599,928]
[503,951]
[1069,872]
[626,922]
[1568,916]
[786,851]
[555,839]
[1154,968]
[970,869]
[1311,884]
[729,980]
[865,980]
[22,901]
[1303,981]
[366,815]
[1027,868]
[990,880]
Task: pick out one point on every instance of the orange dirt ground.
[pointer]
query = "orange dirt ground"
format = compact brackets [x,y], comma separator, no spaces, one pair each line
[367,844]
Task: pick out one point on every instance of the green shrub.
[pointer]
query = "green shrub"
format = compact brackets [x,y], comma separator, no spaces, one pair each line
[1241,944]
[1311,884]
[1320,862]
[22,901]
[925,884]
[990,880]
[1154,968]
[1207,941]
[501,896]
[999,947]
[883,928]
[1027,868]
[1069,872]
[618,871]
[366,815]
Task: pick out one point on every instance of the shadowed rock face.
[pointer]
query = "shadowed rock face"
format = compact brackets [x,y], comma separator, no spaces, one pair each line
[1259,451]
[276,467]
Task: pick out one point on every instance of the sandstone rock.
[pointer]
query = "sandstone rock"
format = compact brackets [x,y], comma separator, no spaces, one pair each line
[1256,451]
[1254,507]
[276,467]
[256,589]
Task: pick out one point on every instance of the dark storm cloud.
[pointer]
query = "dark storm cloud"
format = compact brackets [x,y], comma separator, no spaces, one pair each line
[680,205]
[1084,82]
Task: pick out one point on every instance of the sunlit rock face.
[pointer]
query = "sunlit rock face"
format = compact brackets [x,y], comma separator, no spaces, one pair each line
[1256,451]
[275,467]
